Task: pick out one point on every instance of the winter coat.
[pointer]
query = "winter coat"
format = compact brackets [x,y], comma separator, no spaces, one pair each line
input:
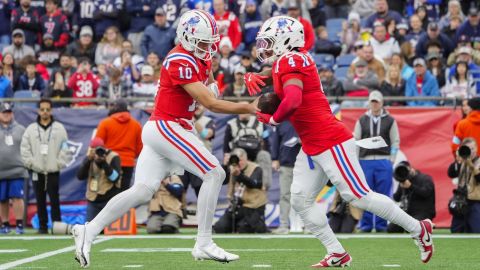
[152,43]
[11,166]
[429,88]
[468,127]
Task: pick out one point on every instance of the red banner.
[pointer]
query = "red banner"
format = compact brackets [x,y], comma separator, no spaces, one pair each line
[425,138]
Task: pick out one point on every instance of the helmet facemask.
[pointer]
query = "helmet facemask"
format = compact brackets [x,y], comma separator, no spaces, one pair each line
[265,51]
[202,49]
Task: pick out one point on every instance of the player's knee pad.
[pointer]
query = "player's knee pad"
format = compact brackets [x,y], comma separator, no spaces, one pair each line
[217,174]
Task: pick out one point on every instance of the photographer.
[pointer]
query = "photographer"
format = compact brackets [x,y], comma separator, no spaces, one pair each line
[248,196]
[416,194]
[465,203]
[101,168]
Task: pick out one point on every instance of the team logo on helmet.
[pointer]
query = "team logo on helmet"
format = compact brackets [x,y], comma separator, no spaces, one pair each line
[282,26]
[191,24]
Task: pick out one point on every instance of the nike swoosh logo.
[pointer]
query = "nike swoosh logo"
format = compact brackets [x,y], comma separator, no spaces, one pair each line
[428,235]
[339,260]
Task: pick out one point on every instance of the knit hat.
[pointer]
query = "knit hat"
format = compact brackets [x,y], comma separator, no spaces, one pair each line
[96,142]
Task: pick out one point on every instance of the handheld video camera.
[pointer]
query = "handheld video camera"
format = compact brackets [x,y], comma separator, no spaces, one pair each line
[402,172]
[464,151]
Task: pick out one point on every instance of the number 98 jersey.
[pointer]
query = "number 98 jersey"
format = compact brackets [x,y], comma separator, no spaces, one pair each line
[180,67]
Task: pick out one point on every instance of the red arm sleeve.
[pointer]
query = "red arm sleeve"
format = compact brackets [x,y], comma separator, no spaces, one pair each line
[291,101]
[309,35]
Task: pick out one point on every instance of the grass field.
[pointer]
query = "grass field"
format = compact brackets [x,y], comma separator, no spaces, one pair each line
[297,251]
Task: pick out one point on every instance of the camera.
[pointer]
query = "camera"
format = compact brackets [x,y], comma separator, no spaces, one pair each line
[234,160]
[402,172]
[100,151]
[464,151]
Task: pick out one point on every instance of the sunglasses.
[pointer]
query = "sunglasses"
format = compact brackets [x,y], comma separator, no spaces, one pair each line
[45,109]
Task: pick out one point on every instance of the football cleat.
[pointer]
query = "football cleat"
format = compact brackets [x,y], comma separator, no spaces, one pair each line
[82,245]
[424,241]
[334,260]
[5,230]
[213,252]
[19,230]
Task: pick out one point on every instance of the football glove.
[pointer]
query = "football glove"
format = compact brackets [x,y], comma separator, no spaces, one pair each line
[252,81]
[266,119]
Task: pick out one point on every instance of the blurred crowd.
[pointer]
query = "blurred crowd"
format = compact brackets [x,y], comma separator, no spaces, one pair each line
[115,49]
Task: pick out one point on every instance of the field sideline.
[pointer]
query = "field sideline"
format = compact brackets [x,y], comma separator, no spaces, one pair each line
[294,251]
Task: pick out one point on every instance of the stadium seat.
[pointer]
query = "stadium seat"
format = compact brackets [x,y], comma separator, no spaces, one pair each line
[324,59]
[25,94]
[344,60]
[341,73]
[334,28]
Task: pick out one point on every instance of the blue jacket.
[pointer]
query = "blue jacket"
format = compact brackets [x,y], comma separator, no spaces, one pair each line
[251,26]
[374,17]
[447,45]
[157,39]
[106,15]
[284,144]
[5,10]
[5,87]
[140,18]
[468,30]
[39,83]
[429,89]
[474,71]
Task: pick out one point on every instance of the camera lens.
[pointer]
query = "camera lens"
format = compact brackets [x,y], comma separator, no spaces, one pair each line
[464,151]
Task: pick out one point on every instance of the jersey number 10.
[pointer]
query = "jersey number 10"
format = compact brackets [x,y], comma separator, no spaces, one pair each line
[187,75]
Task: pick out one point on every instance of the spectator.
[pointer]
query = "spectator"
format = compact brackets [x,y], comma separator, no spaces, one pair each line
[271,8]
[49,55]
[227,23]
[400,32]
[122,134]
[44,152]
[405,70]
[284,146]
[377,163]
[205,131]
[433,34]
[461,84]
[84,83]
[26,18]
[228,59]
[130,72]
[421,12]
[166,207]
[454,10]
[31,80]
[84,46]
[219,74]
[12,171]
[470,27]
[331,86]
[416,30]
[337,8]
[57,88]
[416,194]
[178,7]
[109,47]
[381,14]
[247,195]
[10,70]
[246,62]
[343,217]
[393,85]
[145,88]
[6,8]
[137,60]
[360,83]
[107,15]
[317,14]
[114,86]
[465,54]
[18,48]
[237,88]
[160,28]
[364,8]
[206,5]
[467,169]
[384,47]
[350,32]
[101,169]
[468,127]
[374,64]
[5,85]
[451,29]
[251,21]
[55,23]
[66,66]
[154,61]
[39,5]
[407,52]
[323,45]
[141,15]
[308,31]
[83,12]
[422,83]
[435,66]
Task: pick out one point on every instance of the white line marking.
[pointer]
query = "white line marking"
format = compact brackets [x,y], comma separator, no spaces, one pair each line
[133,266]
[256,236]
[391,265]
[44,255]
[12,250]
[261,266]
[149,250]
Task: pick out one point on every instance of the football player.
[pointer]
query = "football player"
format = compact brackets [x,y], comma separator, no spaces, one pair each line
[169,143]
[328,148]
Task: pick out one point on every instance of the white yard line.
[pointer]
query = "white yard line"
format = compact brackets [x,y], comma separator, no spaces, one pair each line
[43,255]
[248,236]
[133,266]
[12,250]
[150,250]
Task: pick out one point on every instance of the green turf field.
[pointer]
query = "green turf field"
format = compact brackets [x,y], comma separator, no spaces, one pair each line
[369,251]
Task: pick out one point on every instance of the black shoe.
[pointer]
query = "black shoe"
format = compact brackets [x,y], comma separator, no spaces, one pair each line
[42,231]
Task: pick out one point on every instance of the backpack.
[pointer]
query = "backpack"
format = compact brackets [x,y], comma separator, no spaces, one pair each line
[248,142]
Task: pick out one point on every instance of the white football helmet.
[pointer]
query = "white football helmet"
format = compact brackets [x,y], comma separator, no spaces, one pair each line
[197,32]
[279,35]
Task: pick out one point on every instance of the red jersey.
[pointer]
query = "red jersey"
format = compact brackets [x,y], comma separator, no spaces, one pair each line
[229,26]
[84,87]
[179,67]
[313,120]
